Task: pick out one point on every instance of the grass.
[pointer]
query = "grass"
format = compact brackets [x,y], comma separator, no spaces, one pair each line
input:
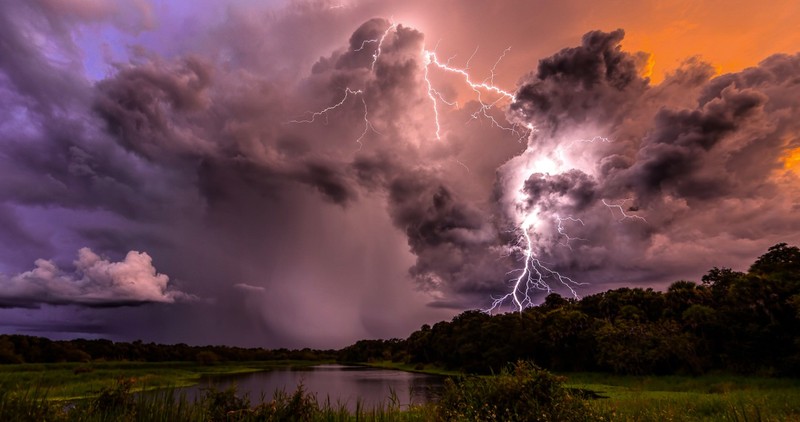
[66,381]
[44,391]
[711,397]
[411,367]
[117,403]
[684,398]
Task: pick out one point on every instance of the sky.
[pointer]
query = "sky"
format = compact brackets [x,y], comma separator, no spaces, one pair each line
[309,173]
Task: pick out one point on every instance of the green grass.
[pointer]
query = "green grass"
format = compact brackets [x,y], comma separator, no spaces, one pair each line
[64,381]
[411,367]
[685,398]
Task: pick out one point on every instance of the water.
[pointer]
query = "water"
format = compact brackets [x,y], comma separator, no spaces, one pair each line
[342,385]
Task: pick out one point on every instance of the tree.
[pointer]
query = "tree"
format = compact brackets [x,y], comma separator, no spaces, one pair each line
[778,260]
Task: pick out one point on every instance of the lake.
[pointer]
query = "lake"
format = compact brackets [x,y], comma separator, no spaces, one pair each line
[342,384]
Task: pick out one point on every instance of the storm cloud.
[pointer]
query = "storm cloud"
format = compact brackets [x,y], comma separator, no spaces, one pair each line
[306,177]
[679,164]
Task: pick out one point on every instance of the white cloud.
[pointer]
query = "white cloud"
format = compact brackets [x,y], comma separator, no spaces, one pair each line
[95,282]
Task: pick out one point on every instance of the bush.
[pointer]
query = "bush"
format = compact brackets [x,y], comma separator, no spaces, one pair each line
[300,406]
[223,405]
[523,392]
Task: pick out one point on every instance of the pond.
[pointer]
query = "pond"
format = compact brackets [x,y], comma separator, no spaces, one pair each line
[341,384]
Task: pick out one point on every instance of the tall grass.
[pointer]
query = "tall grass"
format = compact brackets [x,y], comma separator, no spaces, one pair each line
[119,403]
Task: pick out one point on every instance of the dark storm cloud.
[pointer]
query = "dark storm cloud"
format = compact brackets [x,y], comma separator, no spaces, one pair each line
[220,140]
[573,189]
[582,85]
[169,111]
[56,164]
[676,150]
[455,243]
[374,171]
[149,106]
[53,154]
[294,177]
[329,181]
[693,156]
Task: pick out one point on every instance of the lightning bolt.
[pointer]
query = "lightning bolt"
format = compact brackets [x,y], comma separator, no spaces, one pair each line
[324,112]
[562,231]
[430,58]
[618,207]
[533,274]
[377,53]
[349,91]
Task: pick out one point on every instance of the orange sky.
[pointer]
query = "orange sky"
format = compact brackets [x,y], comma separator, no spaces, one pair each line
[730,34]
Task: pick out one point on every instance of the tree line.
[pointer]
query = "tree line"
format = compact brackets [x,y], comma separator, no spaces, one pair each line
[29,349]
[744,322]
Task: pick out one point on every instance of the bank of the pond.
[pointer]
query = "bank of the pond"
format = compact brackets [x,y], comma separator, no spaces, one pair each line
[68,381]
[644,398]
[350,386]
[416,368]
[709,397]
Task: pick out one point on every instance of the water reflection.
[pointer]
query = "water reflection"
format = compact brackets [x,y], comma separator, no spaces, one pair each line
[340,384]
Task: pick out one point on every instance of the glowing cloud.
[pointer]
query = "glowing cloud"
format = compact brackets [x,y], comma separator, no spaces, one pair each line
[96,282]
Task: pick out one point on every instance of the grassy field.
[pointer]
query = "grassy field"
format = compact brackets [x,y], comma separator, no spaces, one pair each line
[676,398]
[683,398]
[62,381]
[626,398]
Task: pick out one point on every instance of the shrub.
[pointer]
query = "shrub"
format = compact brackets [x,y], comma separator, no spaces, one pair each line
[522,392]
[223,405]
[300,406]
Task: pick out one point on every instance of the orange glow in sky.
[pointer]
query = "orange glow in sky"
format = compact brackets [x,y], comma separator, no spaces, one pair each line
[792,160]
[730,35]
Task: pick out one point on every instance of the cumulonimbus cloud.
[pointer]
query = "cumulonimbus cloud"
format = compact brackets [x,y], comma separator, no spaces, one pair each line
[217,159]
[95,282]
